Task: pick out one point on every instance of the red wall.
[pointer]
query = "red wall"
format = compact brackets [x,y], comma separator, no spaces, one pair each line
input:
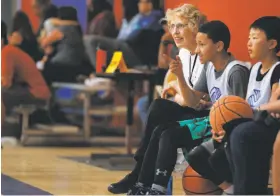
[237,14]
[118,11]
[27,8]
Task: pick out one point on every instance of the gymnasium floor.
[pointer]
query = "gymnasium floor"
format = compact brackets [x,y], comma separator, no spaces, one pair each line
[62,171]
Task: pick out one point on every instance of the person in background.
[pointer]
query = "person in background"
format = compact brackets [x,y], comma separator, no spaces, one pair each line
[101,19]
[21,82]
[130,31]
[69,59]
[44,9]
[22,36]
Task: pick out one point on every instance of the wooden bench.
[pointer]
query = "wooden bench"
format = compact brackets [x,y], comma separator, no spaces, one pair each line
[39,129]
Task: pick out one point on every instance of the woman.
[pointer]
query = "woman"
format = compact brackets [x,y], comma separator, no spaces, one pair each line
[101,19]
[69,57]
[160,110]
[23,36]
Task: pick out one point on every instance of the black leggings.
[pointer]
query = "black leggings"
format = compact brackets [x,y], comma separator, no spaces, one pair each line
[161,155]
[161,111]
[213,165]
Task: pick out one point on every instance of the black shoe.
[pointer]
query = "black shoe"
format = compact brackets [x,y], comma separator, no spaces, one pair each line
[138,190]
[123,185]
[154,192]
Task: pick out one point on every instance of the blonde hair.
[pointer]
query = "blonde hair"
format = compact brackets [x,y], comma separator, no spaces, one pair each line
[187,12]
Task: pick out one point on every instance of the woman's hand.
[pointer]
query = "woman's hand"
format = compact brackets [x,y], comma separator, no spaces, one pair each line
[176,67]
[169,90]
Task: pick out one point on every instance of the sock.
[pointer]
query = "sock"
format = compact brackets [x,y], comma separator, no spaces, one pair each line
[159,188]
[139,184]
[229,190]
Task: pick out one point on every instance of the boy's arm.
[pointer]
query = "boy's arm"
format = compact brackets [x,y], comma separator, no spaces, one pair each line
[238,81]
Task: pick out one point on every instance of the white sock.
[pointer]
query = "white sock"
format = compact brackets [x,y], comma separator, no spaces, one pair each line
[140,184]
[159,188]
[229,190]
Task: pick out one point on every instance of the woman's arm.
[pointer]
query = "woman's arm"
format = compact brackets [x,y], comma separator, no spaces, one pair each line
[54,36]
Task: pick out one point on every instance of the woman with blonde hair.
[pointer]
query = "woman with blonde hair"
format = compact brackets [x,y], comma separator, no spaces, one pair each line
[183,23]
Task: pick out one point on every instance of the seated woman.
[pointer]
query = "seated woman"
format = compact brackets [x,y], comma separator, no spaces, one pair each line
[69,58]
[21,82]
[23,37]
[101,19]
[160,109]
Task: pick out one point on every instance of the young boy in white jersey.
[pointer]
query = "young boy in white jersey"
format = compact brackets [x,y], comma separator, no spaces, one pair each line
[219,78]
[251,143]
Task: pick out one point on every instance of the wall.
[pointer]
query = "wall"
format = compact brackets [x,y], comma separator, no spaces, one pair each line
[79,4]
[27,8]
[8,9]
[237,14]
[81,7]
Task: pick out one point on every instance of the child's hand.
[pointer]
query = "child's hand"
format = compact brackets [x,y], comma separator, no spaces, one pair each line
[202,105]
[275,115]
[218,136]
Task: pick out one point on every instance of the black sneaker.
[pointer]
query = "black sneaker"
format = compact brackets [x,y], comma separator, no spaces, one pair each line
[123,185]
[138,190]
[154,192]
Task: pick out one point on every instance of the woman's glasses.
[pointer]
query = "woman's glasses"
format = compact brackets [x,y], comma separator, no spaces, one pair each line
[178,27]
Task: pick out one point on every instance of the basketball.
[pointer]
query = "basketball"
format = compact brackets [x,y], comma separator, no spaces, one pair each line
[194,184]
[228,108]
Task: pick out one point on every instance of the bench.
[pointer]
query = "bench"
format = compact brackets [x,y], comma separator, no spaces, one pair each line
[39,129]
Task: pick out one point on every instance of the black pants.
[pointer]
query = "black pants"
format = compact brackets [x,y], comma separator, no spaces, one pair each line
[64,73]
[13,97]
[211,163]
[161,155]
[16,95]
[251,145]
[161,111]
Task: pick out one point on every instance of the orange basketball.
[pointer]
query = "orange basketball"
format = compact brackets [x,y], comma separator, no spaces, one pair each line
[194,184]
[228,108]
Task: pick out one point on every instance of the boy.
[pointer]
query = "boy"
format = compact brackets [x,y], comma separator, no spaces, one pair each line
[221,76]
[251,142]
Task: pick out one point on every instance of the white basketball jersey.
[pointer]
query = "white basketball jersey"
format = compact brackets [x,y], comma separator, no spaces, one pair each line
[218,87]
[259,92]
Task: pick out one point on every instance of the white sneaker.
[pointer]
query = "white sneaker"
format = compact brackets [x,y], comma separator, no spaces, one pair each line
[9,142]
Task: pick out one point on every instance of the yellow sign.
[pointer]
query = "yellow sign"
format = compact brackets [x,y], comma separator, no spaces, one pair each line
[117,62]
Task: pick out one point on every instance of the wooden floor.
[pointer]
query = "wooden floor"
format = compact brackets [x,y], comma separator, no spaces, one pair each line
[45,169]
